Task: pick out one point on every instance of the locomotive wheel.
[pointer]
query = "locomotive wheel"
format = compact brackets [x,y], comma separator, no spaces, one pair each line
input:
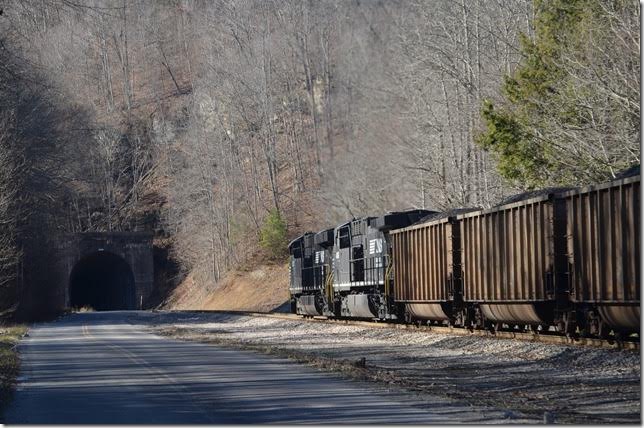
[337,307]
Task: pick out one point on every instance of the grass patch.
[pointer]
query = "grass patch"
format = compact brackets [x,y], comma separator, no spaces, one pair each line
[9,362]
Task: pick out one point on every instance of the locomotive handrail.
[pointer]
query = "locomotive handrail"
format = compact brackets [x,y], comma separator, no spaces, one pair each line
[387,273]
[328,286]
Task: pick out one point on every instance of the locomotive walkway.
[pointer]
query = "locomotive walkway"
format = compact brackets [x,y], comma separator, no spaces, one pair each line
[96,368]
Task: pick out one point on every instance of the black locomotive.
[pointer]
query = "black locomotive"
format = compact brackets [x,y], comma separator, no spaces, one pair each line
[346,271]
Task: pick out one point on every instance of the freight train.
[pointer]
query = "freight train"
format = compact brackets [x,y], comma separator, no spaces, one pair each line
[564,260]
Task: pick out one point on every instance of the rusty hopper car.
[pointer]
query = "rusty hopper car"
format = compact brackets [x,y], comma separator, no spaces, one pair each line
[427,268]
[427,273]
[603,245]
[514,271]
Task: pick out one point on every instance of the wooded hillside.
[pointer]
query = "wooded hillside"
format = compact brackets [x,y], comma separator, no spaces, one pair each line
[222,124]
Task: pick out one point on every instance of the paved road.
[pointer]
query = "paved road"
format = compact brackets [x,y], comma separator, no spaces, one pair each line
[97,368]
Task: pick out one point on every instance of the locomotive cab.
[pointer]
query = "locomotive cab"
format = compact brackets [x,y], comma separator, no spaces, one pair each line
[322,273]
[300,268]
[362,277]
[310,273]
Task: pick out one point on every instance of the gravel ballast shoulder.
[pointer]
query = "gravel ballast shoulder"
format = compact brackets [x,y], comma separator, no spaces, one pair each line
[563,383]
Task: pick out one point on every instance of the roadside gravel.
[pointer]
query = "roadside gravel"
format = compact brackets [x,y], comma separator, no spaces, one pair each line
[567,384]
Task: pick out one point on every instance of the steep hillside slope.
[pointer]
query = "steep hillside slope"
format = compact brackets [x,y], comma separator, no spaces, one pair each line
[264,288]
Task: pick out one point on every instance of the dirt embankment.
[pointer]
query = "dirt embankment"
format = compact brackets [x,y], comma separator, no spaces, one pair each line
[263,288]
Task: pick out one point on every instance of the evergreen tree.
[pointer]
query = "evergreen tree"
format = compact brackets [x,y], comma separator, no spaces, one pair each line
[273,235]
[557,124]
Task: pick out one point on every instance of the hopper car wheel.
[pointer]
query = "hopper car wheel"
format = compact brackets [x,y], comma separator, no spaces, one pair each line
[408,318]
[459,321]
[594,326]
[571,325]
[619,339]
[560,326]
[468,319]
[604,331]
[478,320]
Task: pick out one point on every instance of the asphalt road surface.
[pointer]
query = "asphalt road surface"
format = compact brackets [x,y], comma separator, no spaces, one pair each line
[98,368]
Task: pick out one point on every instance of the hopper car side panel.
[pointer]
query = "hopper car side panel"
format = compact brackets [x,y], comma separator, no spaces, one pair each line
[603,232]
[424,260]
[510,267]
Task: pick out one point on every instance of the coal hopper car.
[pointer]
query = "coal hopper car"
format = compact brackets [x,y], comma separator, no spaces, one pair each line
[427,269]
[603,248]
[513,261]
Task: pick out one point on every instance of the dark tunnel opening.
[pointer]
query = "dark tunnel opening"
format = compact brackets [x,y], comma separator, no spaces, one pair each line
[103,281]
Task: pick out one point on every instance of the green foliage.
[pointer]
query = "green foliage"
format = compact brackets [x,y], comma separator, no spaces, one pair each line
[273,235]
[550,112]
[555,25]
[519,154]
[522,156]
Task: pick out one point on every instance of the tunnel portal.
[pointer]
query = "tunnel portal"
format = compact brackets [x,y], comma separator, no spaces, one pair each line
[102,281]
[104,270]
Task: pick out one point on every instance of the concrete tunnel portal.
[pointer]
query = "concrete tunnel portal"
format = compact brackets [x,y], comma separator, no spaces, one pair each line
[104,270]
[103,281]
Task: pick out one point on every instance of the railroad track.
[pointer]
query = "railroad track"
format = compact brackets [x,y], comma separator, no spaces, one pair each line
[501,335]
